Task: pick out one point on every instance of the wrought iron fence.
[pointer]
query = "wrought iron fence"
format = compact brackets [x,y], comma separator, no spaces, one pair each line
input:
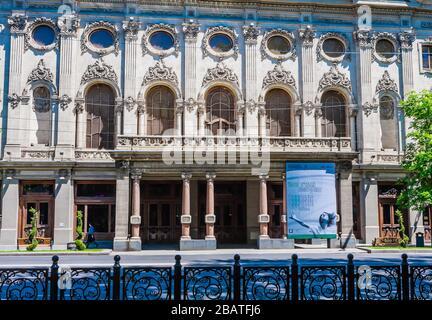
[228,282]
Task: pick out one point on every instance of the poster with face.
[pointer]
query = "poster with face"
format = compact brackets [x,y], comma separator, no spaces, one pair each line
[311,200]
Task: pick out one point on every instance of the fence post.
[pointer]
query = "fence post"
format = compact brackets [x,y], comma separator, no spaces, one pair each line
[294,278]
[54,279]
[177,278]
[350,277]
[405,277]
[236,277]
[116,278]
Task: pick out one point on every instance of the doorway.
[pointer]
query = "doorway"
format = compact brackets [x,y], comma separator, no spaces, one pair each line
[275,209]
[388,220]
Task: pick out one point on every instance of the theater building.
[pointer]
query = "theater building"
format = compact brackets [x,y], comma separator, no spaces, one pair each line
[171,121]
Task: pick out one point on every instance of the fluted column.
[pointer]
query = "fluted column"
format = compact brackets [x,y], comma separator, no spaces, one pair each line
[210,217]
[186,217]
[263,218]
[81,123]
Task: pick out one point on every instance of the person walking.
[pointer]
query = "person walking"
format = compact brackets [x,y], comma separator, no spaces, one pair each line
[91,236]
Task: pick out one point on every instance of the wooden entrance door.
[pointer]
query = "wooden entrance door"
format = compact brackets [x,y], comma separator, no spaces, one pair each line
[162,221]
[45,207]
[389,224]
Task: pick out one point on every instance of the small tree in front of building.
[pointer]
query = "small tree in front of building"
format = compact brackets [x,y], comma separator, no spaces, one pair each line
[417,184]
[79,230]
[32,239]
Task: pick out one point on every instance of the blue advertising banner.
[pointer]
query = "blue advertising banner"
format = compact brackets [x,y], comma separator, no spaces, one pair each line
[311,200]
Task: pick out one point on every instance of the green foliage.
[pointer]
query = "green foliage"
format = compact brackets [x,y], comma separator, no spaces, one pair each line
[80,245]
[404,240]
[79,230]
[417,193]
[33,231]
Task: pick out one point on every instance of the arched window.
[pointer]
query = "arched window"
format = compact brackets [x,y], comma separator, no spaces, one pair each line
[333,123]
[42,108]
[160,110]
[388,123]
[278,112]
[100,117]
[220,110]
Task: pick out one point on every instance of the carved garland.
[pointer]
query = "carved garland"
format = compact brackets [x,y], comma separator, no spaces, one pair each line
[220,72]
[334,78]
[386,83]
[279,76]
[99,70]
[160,72]
[207,50]
[41,73]
[86,44]
[369,108]
[147,47]
[321,55]
[29,42]
[265,52]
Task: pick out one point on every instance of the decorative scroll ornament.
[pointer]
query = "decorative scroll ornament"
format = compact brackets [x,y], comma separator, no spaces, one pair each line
[147,47]
[279,76]
[364,38]
[368,108]
[308,107]
[320,51]
[79,106]
[318,112]
[307,35]
[190,104]
[389,37]
[386,84]
[190,30]
[334,78]
[220,72]
[68,25]
[406,39]
[29,42]
[207,50]
[14,100]
[64,101]
[41,73]
[99,70]
[129,103]
[250,33]
[131,28]
[86,44]
[17,23]
[251,106]
[265,52]
[160,72]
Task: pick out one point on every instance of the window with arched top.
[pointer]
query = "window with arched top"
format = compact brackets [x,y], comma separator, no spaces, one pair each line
[278,112]
[220,109]
[333,122]
[42,124]
[388,123]
[160,110]
[100,100]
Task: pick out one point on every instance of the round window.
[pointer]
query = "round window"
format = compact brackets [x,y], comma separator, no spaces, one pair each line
[44,35]
[102,39]
[279,45]
[221,43]
[385,48]
[161,40]
[333,48]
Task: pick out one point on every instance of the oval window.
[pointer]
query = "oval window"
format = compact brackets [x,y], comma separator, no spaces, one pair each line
[333,48]
[161,40]
[221,43]
[385,48]
[278,45]
[44,35]
[102,38]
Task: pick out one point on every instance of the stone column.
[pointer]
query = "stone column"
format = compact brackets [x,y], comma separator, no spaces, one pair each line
[121,239]
[348,239]
[130,27]
[201,119]
[263,217]
[353,134]
[67,131]
[318,118]
[284,218]
[307,35]
[141,111]
[64,211]
[16,117]
[190,31]
[186,218]
[135,219]
[119,111]
[179,111]
[10,209]
[262,119]
[369,208]
[210,217]
[81,123]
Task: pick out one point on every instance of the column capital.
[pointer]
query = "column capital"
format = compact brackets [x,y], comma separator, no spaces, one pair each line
[18,23]
[130,28]
[250,34]
[307,35]
[68,25]
[190,30]
[136,174]
[406,39]
[364,37]
[186,176]
[263,177]
[210,176]
[344,168]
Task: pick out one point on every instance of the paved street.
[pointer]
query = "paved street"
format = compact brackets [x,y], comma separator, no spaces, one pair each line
[248,256]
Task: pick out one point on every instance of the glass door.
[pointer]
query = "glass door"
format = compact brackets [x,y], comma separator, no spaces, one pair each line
[44,221]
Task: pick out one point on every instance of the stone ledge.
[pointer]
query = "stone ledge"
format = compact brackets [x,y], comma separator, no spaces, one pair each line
[199,244]
[275,243]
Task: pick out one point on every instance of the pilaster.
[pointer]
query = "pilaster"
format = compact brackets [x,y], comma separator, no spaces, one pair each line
[64,211]
[121,239]
[10,207]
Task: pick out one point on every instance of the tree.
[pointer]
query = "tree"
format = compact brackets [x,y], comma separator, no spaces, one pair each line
[33,243]
[79,230]
[417,184]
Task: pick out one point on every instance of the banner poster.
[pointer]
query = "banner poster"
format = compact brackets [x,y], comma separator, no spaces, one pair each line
[311,200]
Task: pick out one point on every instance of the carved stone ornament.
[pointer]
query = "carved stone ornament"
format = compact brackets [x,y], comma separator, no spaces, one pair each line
[190,104]
[364,38]
[279,76]
[334,78]
[386,83]
[41,73]
[160,72]
[265,52]
[86,44]
[368,108]
[79,106]
[190,30]
[64,101]
[130,28]
[251,106]
[168,28]
[220,73]
[321,55]
[389,37]
[99,70]
[207,50]
[129,103]
[68,25]
[308,107]
[17,23]
[250,33]
[14,100]
[29,42]
[307,35]
[406,39]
